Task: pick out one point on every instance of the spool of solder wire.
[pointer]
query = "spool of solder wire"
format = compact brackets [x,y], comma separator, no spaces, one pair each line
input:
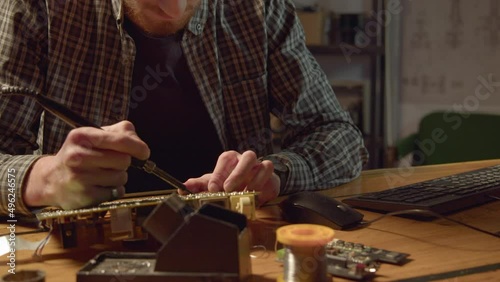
[304,252]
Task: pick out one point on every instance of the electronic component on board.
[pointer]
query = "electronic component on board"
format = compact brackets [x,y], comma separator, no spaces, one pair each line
[357,261]
[343,248]
[122,219]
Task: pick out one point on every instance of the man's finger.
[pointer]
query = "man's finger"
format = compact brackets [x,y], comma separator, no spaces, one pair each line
[94,138]
[243,172]
[225,164]
[102,177]
[265,171]
[196,185]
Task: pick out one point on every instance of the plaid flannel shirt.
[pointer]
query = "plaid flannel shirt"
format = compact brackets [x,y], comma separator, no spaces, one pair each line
[248,59]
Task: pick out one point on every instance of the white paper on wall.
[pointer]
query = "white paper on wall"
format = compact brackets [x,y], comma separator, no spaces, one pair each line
[450,53]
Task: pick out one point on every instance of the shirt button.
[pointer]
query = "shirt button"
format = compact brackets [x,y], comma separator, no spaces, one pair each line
[198,27]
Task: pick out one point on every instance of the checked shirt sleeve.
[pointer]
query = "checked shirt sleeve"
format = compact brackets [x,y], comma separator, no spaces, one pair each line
[322,148]
[22,31]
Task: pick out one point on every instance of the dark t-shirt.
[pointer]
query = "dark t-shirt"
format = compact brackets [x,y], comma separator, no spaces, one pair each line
[168,113]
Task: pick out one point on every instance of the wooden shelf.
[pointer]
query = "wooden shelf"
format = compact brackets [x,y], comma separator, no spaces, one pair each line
[337,50]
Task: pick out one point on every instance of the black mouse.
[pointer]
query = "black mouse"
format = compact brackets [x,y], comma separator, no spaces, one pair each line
[316,208]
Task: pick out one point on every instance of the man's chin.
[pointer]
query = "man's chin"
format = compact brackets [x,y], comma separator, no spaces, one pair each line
[162,27]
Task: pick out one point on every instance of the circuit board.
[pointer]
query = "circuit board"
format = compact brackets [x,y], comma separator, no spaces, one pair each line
[124,216]
[243,202]
[356,261]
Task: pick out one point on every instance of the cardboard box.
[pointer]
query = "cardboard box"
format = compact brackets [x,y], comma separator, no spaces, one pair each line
[314,24]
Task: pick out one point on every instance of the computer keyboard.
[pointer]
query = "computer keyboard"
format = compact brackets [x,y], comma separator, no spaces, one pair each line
[441,195]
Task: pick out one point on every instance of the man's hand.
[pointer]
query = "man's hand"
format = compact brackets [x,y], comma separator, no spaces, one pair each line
[91,164]
[238,172]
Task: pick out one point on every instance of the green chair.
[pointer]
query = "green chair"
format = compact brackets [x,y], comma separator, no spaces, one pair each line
[447,137]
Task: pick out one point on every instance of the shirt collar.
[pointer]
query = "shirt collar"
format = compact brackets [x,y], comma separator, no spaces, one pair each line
[199,19]
[117,10]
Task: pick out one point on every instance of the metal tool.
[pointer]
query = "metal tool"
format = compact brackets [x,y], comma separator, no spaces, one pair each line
[75,120]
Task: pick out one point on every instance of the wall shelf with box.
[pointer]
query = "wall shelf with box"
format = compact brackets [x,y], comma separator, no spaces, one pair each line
[348,35]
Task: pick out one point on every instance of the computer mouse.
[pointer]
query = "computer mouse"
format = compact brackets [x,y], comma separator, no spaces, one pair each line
[316,208]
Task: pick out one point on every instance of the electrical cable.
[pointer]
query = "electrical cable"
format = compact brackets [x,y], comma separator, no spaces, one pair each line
[426,212]
[494,197]
[38,251]
[75,120]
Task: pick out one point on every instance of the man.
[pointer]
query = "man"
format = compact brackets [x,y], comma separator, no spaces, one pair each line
[184,74]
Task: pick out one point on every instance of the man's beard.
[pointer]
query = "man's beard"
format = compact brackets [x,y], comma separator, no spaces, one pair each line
[159,28]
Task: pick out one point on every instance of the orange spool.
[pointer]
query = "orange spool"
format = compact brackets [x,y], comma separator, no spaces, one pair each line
[304,245]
